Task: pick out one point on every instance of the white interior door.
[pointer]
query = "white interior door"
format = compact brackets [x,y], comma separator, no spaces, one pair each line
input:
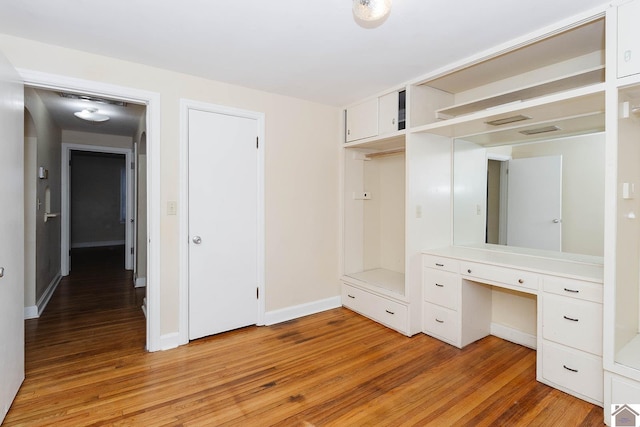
[11,235]
[223,222]
[534,203]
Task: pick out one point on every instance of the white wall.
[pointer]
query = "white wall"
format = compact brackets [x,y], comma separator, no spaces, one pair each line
[301,163]
[99,139]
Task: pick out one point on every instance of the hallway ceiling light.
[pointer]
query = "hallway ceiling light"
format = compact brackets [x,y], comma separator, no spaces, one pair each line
[91,115]
[371,10]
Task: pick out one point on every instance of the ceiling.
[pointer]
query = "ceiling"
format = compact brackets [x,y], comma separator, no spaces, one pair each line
[312,50]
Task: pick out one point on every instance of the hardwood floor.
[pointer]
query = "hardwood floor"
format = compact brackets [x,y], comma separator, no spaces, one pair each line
[86,365]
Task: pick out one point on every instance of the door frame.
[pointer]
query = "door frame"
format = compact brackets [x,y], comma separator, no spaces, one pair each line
[65,203]
[183,206]
[155,341]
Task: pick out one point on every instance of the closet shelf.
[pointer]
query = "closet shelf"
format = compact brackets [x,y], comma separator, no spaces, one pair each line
[629,355]
[384,142]
[386,282]
[572,103]
[576,80]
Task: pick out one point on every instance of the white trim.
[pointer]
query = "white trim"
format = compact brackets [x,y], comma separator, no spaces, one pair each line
[514,335]
[98,244]
[290,313]
[140,282]
[35,311]
[31,312]
[185,106]
[65,189]
[169,341]
[152,101]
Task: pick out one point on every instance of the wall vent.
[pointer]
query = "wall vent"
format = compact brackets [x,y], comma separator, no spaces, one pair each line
[539,130]
[507,120]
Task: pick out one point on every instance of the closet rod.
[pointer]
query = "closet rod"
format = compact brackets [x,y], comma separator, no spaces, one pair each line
[384,153]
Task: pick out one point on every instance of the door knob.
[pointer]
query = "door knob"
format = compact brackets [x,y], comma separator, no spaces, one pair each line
[197,240]
[556,221]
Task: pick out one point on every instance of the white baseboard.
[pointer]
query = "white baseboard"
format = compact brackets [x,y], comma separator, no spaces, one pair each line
[140,282]
[35,311]
[97,244]
[289,313]
[169,341]
[514,335]
[31,312]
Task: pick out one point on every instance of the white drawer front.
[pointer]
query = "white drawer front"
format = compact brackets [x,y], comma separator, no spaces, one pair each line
[441,287]
[509,276]
[440,263]
[572,322]
[573,370]
[380,309]
[441,323]
[588,291]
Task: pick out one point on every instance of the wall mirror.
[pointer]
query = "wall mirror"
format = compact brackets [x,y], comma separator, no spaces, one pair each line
[546,193]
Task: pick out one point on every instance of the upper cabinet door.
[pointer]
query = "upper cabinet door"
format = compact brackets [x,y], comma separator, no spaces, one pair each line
[388,107]
[628,39]
[362,120]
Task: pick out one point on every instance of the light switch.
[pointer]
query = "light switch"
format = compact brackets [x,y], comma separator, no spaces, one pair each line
[628,190]
[418,211]
[172,207]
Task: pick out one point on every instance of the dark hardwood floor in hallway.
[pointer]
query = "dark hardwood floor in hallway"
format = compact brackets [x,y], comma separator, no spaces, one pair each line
[86,365]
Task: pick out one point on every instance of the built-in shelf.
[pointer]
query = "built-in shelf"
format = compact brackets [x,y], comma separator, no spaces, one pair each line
[561,84]
[573,103]
[384,142]
[385,281]
[629,355]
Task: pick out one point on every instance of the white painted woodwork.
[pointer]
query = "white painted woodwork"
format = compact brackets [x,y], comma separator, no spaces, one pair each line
[362,120]
[628,51]
[12,232]
[388,113]
[618,390]
[570,325]
[384,310]
[534,203]
[223,214]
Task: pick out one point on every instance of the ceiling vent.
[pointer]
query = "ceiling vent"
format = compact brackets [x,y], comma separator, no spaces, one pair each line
[92,99]
[507,120]
[536,131]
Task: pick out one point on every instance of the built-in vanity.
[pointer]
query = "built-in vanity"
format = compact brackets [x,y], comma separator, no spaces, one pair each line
[500,195]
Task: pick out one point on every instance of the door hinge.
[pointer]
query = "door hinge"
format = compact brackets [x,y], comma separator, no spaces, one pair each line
[133,165]
[257,144]
[257,293]
[131,251]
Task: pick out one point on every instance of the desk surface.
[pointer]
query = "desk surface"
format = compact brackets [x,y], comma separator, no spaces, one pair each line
[569,267]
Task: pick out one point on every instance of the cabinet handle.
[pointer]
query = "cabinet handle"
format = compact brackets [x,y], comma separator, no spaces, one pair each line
[469,271]
[390,312]
[569,318]
[439,265]
[439,321]
[569,369]
[439,285]
[571,290]
[521,281]
[351,296]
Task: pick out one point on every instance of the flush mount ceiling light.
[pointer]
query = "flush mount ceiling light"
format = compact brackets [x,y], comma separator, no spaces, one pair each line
[371,10]
[91,115]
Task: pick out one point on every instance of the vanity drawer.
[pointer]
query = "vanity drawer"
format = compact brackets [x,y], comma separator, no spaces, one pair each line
[441,287]
[441,263]
[507,276]
[573,370]
[572,322]
[588,291]
[390,313]
[441,323]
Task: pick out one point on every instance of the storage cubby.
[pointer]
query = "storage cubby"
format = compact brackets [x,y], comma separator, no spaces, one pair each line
[516,87]
[383,117]
[374,205]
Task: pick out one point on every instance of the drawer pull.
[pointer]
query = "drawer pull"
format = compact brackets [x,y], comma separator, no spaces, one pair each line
[469,271]
[521,281]
[569,369]
[573,291]
[439,321]
[439,285]
[569,318]
[390,312]
[351,296]
[439,265]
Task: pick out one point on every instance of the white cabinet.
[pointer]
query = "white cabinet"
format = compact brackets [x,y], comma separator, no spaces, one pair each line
[362,120]
[382,309]
[628,49]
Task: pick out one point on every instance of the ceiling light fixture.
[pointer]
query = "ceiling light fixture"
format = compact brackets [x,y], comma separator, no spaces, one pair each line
[91,115]
[371,10]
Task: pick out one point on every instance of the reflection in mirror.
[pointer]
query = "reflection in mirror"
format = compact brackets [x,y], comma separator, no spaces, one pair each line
[547,194]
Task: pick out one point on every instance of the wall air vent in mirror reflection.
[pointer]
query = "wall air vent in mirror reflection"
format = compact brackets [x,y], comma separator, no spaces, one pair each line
[507,120]
[537,131]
